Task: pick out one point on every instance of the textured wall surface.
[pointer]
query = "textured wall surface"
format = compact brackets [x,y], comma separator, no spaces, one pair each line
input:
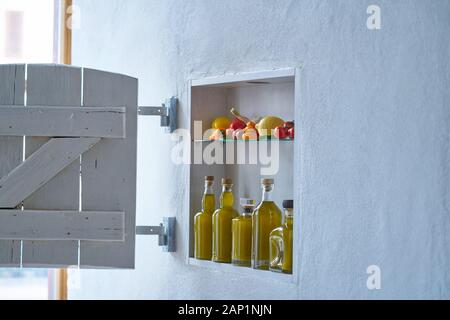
[374,134]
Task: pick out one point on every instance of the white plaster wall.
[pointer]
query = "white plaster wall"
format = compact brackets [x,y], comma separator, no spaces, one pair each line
[375,136]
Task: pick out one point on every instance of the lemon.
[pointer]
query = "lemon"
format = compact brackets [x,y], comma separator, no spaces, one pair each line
[268,123]
[221,123]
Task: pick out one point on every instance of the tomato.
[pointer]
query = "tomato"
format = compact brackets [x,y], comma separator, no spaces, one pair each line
[291,133]
[281,133]
[237,124]
[289,124]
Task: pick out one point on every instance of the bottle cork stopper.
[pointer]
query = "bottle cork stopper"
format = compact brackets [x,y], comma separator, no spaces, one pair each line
[288,204]
[209,178]
[267,181]
[227,181]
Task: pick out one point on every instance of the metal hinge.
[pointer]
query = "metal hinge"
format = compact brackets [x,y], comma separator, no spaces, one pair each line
[167,111]
[165,232]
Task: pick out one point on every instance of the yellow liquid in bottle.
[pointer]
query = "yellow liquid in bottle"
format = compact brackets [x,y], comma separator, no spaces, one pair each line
[288,238]
[242,240]
[276,250]
[281,240]
[222,219]
[266,217]
[203,228]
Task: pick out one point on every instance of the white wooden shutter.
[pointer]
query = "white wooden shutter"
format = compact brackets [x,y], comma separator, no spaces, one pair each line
[111,185]
[80,150]
[12,88]
[52,86]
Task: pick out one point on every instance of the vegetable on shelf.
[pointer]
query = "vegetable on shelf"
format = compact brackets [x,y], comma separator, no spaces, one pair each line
[237,124]
[229,134]
[250,132]
[243,128]
[221,123]
[285,131]
[291,133]
[281,133]
[267,124]
[216,135]
[289,124]
[238,134]
[241,118]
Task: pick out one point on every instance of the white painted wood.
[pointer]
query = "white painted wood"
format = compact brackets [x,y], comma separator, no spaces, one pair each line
[12,91]
[109,170]
[12,84]
[239,79]
[61,225]
[63,121]
[53,85]
[40,168]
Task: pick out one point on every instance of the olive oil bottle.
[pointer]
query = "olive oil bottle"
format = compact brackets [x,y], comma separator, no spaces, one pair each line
[222,218]
[203,223]
[266,217]
[281,240]
[242,235]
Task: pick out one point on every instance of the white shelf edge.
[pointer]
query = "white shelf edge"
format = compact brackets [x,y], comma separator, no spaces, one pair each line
[247,76]
[229,268]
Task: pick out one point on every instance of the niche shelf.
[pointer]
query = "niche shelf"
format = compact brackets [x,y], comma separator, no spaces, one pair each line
[258,94]
[230,269]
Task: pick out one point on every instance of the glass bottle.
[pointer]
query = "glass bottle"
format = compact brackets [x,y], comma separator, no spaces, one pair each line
[281,240]
[266,217]
[242,235]
[203,223]
[222,218]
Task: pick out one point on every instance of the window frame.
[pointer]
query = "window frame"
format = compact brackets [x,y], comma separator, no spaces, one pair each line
[62,53]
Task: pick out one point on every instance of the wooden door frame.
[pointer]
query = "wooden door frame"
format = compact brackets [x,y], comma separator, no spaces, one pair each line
[65,57]
[65,32]
[61,284]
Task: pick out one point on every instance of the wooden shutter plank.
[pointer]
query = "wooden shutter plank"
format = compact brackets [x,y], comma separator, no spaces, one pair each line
[109,170]
[12,91]
[61,225]
[41,167]
[45,121]
[53,85]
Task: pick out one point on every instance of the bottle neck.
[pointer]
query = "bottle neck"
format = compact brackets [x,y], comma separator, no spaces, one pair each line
[247,211]
[289,216]
[208,201]
[208,189]
[226,188]
[226,199]
[267,194]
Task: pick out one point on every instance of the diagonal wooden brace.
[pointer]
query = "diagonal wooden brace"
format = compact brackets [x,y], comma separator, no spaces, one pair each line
[40,168]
